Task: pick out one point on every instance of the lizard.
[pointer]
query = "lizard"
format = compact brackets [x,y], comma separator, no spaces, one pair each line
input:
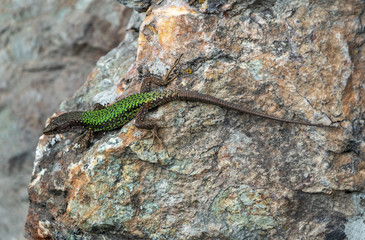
[136,107]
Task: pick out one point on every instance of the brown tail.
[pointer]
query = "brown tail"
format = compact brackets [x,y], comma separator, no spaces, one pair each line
[195,96]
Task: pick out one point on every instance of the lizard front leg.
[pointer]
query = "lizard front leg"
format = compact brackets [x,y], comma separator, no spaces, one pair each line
[98,106]
[85,139]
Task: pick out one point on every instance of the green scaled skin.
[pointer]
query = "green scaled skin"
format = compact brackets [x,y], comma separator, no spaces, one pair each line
[123,111]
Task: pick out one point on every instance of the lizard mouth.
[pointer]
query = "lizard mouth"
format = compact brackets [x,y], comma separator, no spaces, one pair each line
[49,131]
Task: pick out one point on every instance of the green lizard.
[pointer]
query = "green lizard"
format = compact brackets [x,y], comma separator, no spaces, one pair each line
[137,105]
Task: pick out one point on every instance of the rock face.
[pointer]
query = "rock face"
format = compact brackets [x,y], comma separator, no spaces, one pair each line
[221,174]
[47,50]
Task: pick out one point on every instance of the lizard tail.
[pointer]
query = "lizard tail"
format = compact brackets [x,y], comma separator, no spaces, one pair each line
[199,97]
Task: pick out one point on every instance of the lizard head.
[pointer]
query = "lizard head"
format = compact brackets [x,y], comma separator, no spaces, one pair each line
[63,123]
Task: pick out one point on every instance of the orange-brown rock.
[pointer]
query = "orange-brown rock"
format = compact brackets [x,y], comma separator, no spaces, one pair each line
[221,175]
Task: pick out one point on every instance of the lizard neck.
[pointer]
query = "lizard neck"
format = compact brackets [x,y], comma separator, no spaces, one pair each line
[74,117]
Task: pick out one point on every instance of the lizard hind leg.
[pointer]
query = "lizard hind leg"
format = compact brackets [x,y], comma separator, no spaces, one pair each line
[141,123]
[166,79]
[149,78]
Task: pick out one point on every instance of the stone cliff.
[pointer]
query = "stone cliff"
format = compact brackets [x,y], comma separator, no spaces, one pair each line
[222,175]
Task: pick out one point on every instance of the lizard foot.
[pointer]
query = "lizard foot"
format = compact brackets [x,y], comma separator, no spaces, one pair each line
[153,133]
[85,140]
[98,106]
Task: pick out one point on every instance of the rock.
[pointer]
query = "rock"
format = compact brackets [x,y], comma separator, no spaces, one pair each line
[222,174]
[47,51]
[139,6]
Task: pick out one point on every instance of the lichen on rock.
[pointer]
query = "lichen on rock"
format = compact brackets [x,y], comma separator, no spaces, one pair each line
[222,174]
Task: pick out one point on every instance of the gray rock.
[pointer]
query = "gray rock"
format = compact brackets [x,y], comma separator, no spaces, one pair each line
[47,50]
[222,175]
[139,6]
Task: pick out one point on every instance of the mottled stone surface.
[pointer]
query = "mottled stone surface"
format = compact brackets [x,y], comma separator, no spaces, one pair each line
[47,50]
[140,6]
[222,175]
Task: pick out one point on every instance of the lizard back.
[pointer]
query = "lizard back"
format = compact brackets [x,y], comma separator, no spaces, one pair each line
[121,112]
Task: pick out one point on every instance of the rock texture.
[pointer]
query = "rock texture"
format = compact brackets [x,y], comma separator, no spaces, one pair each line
[47,50]
[222,175]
